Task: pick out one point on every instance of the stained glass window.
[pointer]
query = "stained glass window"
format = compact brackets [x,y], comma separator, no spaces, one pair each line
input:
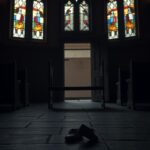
[112,19]
[84,16]
[38,20]
[69,16]
[129,18]
[19,18]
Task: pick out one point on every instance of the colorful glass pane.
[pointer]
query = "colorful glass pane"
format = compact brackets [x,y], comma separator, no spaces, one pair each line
[112,19]
[129,18]
[84,16]
[38,20]
[69,16]
[19,18]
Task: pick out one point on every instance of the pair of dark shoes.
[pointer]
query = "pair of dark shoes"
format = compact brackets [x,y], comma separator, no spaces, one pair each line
[76,135]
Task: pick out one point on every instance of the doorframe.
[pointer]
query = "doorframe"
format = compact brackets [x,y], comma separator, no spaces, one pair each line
[77,42]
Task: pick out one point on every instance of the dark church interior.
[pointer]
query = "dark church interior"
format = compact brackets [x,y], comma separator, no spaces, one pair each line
[68,64]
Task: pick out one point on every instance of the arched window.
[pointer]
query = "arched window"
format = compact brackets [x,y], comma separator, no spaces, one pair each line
[84,16]
[76,15]
[38,19]
[129,18]
[35,18]
[19,18]
[69,16]
[112,19]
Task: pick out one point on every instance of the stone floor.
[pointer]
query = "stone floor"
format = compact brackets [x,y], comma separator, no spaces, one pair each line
[37,128]
[87,105]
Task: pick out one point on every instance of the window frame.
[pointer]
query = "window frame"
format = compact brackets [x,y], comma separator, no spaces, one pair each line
[121,24]
[12,21]
[87,2]
[136,22]
[77,17]
[28,23]
[118,30]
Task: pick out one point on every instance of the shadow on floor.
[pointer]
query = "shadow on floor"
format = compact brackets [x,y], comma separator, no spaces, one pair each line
[87,105]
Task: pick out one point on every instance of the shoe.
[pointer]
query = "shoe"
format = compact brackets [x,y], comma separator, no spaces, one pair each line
[73,136]
[88,133]
[73,131]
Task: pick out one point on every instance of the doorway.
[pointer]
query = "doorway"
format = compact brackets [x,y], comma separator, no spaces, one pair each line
[77,70]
